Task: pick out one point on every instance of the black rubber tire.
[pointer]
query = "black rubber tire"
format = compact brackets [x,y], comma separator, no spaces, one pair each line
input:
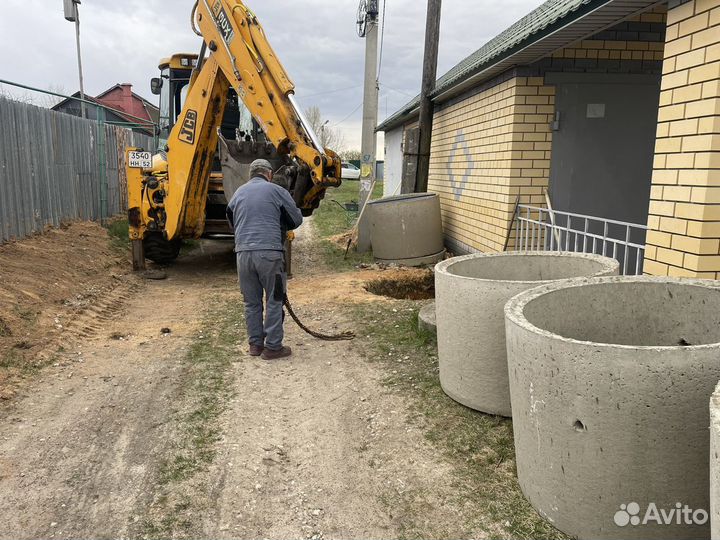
[159,250]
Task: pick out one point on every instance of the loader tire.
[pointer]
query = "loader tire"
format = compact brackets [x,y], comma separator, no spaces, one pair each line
[159,250]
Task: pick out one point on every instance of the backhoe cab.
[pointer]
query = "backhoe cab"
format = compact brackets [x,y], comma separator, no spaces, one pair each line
[218,113]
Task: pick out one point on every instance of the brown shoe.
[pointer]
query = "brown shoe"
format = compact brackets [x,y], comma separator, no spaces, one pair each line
[256,350]
[269,354]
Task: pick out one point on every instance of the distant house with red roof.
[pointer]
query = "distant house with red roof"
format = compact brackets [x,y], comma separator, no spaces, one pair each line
[127,107]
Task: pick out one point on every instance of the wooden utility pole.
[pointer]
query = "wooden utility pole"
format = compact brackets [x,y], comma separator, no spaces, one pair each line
[432,41]
[370,113]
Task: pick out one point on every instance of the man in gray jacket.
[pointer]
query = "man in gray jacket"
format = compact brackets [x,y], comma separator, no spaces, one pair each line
[261,214]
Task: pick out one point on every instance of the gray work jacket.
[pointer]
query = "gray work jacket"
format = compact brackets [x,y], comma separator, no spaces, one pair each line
[261,213]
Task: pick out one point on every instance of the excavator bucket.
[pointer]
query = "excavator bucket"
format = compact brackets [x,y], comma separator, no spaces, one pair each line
[237,155]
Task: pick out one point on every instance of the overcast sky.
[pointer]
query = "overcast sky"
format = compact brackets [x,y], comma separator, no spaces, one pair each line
[316,40]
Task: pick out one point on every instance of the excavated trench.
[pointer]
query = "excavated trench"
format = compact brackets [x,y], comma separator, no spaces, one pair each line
[405,285]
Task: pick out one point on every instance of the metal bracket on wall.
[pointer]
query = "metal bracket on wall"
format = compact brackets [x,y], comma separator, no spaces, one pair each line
[555,124]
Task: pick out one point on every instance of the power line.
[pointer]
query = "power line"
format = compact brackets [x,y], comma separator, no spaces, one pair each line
[382,40]
[349,115]
[333,91]
[396,90]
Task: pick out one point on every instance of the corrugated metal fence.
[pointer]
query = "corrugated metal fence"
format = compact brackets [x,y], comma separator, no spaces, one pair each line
[56,167]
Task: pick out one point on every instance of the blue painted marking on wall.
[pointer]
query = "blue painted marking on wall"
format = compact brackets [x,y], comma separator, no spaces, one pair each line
[460,147]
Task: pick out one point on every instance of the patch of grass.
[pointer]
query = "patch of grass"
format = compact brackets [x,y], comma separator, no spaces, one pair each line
[331,219]
[4,329]
[206,393]
[118,230]
[15,361]
[28,315]
[480,446]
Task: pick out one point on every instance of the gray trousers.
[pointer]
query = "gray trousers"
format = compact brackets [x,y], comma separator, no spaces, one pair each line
[260,274]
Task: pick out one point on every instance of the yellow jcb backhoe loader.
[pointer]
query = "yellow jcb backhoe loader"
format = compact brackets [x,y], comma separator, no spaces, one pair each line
[168,192]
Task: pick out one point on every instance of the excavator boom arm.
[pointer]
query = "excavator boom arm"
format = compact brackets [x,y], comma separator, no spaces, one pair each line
[168,201]
[238,42]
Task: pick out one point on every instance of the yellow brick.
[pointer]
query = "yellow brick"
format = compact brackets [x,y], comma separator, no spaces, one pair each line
[666,97]
[680,161]
[703,73]
[670,256]
[674,271]
[690,59]
[700,177]
[704,229]
[705,107]
[705,195]
[659,161]
[653,222]
[673,112]
[672,32]
[651,252]
[637,45]
[663,130]
[673,225]
[702,263]
[652,17]
[707,160]
[701,143]
[687,93]
[683,127]
[662,208]
[712,53]
[674,80]
[678,46]
[699,246]
[715,16]
[593,44]
[677,193]
[668,176]
[711,89]
[652,268]
[616,45]
[705,5]
[656,192]
[694,24]
[706,38]
[710,124]
[681,12]
[668,145]
[669,65]
[690,211]
[657,238]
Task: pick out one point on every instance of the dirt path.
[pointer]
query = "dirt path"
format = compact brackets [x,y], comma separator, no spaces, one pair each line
[315,447]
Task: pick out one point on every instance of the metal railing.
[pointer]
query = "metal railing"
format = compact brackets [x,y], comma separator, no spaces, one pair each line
[541,229]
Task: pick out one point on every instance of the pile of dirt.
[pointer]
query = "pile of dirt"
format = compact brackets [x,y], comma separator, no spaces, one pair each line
[404,284]
[47,283]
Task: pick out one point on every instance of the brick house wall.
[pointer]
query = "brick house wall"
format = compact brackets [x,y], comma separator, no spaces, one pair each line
[684,222]
[494,143]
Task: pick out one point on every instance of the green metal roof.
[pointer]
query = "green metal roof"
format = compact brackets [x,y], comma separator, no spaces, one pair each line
[541,22]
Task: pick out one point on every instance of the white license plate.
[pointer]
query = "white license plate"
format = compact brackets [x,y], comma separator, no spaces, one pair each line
[139,160]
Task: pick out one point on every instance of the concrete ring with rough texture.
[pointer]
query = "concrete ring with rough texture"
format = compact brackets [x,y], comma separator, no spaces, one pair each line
[470,295]
[610,380]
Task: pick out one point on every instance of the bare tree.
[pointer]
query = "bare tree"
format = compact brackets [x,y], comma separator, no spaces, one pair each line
[330,137]
[351,155]
[38,99]
[48,100]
